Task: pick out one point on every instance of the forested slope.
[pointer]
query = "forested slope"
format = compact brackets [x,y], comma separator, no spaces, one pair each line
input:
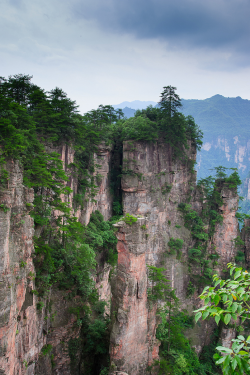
[76,288]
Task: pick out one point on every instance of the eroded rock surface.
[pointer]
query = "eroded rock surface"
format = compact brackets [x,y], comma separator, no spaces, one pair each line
[153,187]
[21,330]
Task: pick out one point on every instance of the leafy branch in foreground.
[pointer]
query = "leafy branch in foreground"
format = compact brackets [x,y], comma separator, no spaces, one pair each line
[230,301]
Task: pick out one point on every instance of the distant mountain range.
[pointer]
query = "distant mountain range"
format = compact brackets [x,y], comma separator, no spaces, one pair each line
[136,104]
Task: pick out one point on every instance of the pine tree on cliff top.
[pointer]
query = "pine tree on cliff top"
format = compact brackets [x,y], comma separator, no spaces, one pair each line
[170,101]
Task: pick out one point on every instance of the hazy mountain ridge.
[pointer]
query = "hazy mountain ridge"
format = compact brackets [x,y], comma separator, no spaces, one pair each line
[135,104]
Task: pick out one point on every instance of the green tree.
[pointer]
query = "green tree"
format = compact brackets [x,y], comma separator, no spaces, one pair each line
[170,101]
[229,300]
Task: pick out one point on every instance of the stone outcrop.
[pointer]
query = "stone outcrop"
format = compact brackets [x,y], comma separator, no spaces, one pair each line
[153,186]
[133,344]
[21,329]
[228,230]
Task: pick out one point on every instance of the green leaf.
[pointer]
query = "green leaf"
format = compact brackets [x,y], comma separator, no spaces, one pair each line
[227,318]
[221,360]
[234,307]
[197,316]
[234,364]
[217,282]
[216,299]
[224,349]
[240,337]
[217,319]
[224,297]
[234,316]
[227,360]
[238,360]
[205,315]
[237,274]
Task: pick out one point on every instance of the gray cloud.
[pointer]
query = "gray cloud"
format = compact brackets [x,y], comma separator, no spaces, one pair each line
[211,24]
[106,52]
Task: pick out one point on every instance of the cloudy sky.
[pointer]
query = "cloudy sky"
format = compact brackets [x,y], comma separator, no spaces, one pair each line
[109,51]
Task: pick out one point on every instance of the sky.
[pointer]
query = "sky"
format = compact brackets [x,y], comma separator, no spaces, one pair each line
[110,51]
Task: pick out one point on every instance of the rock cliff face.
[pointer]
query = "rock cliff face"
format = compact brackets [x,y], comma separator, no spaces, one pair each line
[103,199]
[24,330]
[153,185]
[228,230]
[21,329]
[153,189]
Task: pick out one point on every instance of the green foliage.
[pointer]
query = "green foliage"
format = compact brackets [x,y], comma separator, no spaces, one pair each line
[190,289]
[4,207]
[166,188]
[239,242]
[164,123]
[241,216]
[176,354]
[74,345]
[39,305]
[170,101]
[129,219]
[117,208]
[226,301]
[202,225]
[46,349]
[66,254]
[175,246]
[160,288]
[95,339]
[240,257]
[139,128]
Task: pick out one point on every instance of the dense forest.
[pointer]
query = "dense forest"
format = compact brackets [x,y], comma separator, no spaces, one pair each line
[66,251]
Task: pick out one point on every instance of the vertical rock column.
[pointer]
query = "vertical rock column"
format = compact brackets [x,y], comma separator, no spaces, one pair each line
[132,338]
[228,230]
[153,185]
[21,328]
[103,199]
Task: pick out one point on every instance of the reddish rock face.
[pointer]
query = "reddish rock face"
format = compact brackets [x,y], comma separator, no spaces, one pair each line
[24,330]
[228,230]
[21,329]
[132,337]
[153,188]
